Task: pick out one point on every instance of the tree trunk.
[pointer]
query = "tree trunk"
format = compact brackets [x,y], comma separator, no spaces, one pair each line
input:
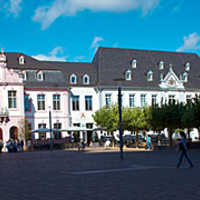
[137,141]
[170,132]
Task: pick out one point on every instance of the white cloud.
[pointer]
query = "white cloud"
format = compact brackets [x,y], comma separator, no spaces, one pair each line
[14,7]
[96,42]
[46,15]
[79,58]
[192,42]
[53,55]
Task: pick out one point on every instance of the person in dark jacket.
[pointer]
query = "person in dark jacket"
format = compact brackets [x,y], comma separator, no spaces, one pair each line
[183,148]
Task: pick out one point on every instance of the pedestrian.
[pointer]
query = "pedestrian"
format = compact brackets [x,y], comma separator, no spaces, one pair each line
[148,142]
[22,145]
[183,150]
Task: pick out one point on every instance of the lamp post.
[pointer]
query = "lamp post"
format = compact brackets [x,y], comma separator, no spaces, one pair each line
[50,129]
[119,80]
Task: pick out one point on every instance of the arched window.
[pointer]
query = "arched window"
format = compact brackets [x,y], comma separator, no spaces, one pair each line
[21,60]
[24,75]
[161,65]
[185,77]
[40,76]
[73,79]
[86,79]
[187,67]
[134,63]
[128,75]
[150,76]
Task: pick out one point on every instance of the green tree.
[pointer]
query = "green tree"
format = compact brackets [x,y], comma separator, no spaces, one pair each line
[107,118]
[134,120]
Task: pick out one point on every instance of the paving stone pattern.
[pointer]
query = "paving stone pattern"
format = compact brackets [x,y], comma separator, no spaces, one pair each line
[90,175]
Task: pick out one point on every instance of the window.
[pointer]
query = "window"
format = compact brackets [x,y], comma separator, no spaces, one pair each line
[154,99]
[134,63]
[12,99]
[77,125]
[150,76]
[75,103]
[108,100]
[143,100]
[27,103]
[89,125]
[57,134]
[86,79]
[21,60]
[171,99]
[185,77]
[128,75]
[40,76]
[42,135]
[161,65]
[187,67]
[88,102]
[73,79]
[131,100]
[56,102]
[41,101]
[24,75]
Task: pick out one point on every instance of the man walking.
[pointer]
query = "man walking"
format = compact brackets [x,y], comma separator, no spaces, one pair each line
[183,148]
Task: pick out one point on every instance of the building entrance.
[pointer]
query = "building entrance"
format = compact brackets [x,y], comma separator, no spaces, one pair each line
[13,132]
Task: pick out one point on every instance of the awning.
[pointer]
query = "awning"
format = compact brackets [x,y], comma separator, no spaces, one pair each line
[44,130]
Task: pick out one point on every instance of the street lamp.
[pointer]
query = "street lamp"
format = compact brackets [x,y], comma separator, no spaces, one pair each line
[119,80]
[50,129]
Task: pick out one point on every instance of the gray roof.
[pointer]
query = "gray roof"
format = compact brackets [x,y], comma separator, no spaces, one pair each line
[109,64]
[57,74]
[112,63]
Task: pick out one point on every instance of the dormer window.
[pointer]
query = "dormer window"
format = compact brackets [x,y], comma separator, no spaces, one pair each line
[24,75]
[150,76]
[185,77]
[161,65]
[40,76]
[128,75]
[86,79]
[134,63]
[73,79]
[187,67]
[21,60]
[2,56]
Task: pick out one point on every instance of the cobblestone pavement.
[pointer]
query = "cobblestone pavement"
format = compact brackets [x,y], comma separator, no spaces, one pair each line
[95,175]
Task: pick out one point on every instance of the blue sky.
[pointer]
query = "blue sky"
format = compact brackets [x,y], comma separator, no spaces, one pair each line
[72,30]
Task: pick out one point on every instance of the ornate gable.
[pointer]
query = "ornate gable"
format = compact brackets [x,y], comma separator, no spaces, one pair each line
[171,81]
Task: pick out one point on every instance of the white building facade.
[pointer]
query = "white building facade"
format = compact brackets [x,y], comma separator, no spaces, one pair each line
[72,92]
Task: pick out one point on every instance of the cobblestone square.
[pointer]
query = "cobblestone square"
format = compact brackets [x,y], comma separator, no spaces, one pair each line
[95,175]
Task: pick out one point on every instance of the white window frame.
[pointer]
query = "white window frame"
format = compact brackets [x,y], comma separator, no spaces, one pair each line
[134,63]
[150,76]
[21,60]
[187,66]
[71,78]
[143,100]
[40,73]
[131,100]
[161,65]
[128,75]
[108,100]
[24,75]
[88,79]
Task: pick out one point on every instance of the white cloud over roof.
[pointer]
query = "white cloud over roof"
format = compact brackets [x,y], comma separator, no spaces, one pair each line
[46,15]
[191,42]
[53,55]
